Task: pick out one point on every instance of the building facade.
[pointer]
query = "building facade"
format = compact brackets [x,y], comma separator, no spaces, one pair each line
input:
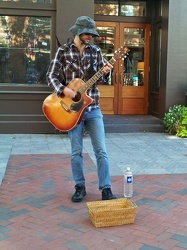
[147,39]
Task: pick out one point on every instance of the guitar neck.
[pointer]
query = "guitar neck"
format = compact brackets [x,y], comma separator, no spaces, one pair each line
[95,77]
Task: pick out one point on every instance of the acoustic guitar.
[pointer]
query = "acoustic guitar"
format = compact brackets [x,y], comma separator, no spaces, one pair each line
[65,113]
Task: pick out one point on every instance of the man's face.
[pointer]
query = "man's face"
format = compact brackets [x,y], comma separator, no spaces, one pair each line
[85,38]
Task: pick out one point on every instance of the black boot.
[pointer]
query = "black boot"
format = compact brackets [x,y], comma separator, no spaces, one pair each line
[79,193]
[107,194]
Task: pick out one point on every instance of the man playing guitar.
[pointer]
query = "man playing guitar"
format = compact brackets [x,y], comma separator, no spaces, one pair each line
[78,60]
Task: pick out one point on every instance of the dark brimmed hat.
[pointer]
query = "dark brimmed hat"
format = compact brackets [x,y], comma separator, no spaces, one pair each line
[84,24]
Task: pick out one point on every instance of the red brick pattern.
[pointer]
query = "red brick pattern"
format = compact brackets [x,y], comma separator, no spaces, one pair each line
[36,211]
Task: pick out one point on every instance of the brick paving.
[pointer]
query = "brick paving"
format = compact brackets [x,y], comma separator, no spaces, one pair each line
[36,211]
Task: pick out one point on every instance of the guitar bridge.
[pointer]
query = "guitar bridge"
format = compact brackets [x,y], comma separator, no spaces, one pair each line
[65,107]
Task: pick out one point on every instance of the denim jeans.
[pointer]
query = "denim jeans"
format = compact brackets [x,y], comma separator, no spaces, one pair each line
[93,122]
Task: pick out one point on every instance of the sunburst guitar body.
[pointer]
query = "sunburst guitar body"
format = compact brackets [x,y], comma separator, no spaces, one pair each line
[65,113]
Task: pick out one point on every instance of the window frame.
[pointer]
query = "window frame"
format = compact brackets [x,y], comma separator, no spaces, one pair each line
[119,4]
[24,5]
[33,10]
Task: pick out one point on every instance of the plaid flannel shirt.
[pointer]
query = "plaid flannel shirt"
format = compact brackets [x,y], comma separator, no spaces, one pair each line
[69,64]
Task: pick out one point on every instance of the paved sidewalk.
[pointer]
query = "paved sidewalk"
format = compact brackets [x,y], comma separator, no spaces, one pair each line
[36,211]
[145,153]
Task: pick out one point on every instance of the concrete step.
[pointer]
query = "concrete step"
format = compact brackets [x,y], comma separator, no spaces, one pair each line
[132,123]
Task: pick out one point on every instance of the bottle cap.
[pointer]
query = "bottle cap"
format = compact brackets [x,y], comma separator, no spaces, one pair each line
[128,169]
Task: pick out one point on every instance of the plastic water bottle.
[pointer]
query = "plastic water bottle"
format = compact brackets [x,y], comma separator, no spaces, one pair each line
[128,183]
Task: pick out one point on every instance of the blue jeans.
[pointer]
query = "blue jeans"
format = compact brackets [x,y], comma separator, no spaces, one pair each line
[93,122]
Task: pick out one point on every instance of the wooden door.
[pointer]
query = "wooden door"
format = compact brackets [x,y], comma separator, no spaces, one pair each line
[108,42]
[126,89]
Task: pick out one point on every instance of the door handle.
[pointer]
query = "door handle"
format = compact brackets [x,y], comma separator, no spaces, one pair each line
[116,77]
[121,78]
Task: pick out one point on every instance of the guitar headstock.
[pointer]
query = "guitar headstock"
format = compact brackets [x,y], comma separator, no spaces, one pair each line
[121,52]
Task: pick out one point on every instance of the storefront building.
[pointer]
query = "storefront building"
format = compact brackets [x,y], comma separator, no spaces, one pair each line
[148,78]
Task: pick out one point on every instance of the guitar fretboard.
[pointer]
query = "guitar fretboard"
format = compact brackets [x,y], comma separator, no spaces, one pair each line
[95,77]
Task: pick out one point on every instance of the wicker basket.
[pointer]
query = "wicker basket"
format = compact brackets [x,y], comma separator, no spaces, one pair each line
[112,212]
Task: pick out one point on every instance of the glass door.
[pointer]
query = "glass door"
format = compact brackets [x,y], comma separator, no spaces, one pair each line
[126,89]
[109,33]
[133,85]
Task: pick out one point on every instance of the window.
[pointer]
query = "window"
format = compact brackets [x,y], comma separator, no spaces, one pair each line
[120,8]
[106,8]
[28,1]
[134,40]
[24,49]
[130,8]
[106,42]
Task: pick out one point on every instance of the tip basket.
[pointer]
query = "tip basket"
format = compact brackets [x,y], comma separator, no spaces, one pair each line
[112,212]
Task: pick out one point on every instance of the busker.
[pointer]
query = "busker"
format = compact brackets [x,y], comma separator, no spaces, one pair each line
[76,59]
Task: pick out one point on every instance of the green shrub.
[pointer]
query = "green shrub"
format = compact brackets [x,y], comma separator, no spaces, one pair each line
[175,121]
[182,130]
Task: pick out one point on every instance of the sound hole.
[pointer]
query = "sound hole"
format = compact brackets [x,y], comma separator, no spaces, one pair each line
[77,97]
